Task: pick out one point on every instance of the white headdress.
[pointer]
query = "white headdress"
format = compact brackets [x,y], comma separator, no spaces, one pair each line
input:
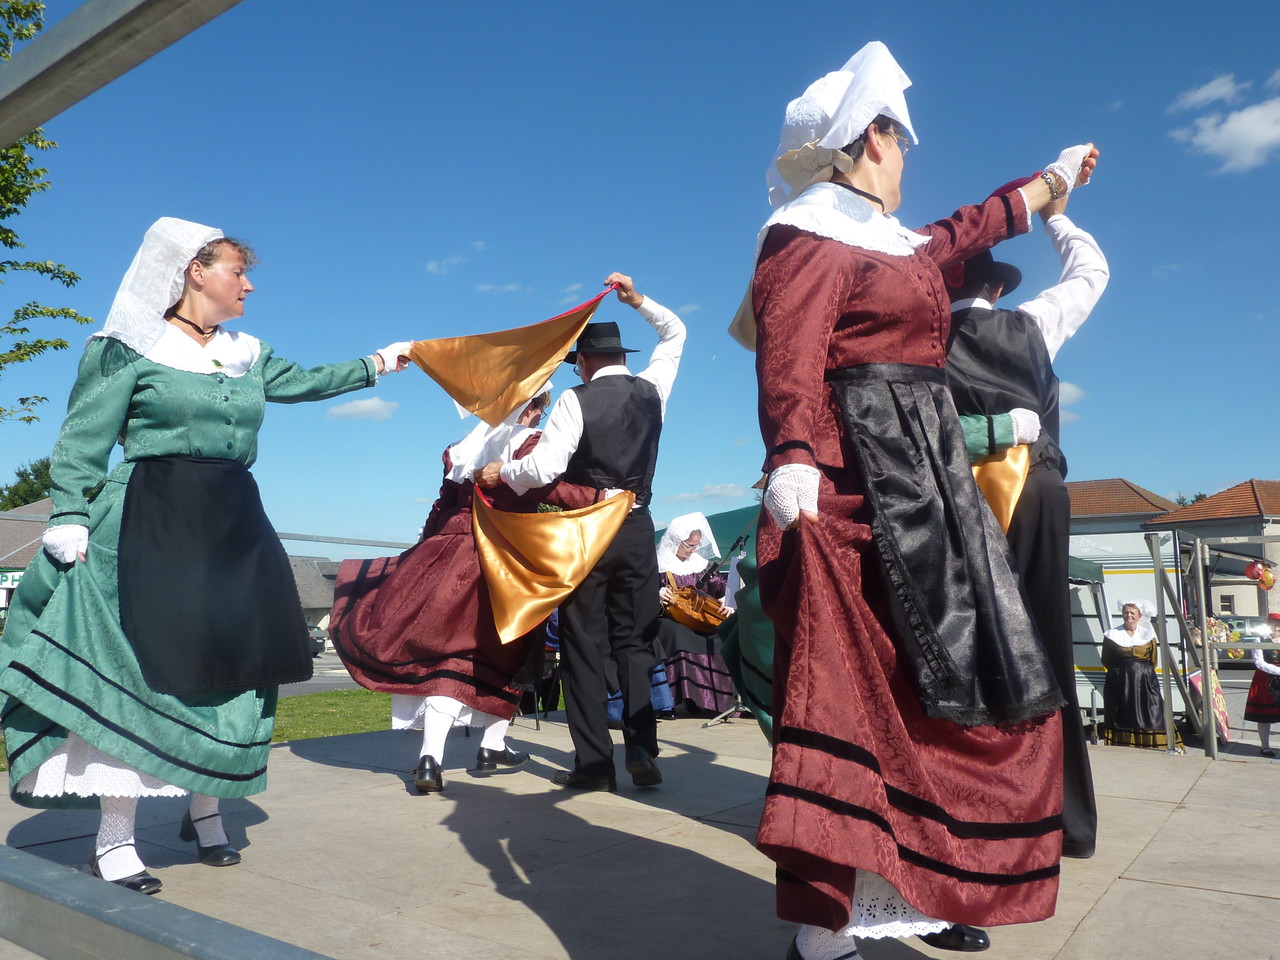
[831,114]
[153,282]
[679,530]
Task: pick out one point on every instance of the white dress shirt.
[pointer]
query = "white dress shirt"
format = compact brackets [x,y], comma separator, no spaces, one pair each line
[563,430]
[1060,311]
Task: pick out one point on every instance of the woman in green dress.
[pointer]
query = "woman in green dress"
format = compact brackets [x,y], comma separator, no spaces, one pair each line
[144,647]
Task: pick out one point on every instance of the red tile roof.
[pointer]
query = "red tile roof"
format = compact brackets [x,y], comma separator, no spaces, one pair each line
[1253,498]
[1104,498]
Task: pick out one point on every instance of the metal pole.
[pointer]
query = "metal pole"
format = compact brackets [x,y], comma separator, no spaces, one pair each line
[1170,735]
[1209,670]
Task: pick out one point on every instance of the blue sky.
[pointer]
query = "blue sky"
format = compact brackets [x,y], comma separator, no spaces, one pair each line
[410,170]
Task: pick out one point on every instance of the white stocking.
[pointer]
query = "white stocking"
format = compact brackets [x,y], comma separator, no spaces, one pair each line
[818,943]
[495,732]
[437,719]
[115,851]
[207,820]
[1264,735]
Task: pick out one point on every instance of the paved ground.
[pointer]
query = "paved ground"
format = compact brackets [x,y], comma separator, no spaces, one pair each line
[341,856]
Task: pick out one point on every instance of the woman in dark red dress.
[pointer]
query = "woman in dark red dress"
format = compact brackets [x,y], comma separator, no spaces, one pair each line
[420,624]
[916,778]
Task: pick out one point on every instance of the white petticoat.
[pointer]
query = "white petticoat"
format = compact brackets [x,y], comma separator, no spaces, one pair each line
[878,911]
[81,769]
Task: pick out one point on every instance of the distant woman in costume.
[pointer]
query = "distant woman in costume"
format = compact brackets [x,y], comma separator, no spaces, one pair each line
[419,626]
[1131,700]
[1263,703]
[145,643]
[695,670]
[916,781]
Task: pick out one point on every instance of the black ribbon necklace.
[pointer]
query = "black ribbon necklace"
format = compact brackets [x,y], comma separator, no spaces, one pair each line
[861,193]
[206,334]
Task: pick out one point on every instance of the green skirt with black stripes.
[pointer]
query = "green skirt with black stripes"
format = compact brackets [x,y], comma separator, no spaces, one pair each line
[69,667]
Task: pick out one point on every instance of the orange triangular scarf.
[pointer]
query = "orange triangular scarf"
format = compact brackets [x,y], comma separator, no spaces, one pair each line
[533,561]
[490,374]
[1001,477]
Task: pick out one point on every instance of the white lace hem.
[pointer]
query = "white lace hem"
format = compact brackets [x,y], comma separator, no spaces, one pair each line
[78,768]
[878,911]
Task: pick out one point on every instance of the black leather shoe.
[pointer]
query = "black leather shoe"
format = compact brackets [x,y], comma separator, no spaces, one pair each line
[1266,752]
[958,936]
[489,760]
[578,780]
[642,767]
[428,778]
[218,855]
[142,882]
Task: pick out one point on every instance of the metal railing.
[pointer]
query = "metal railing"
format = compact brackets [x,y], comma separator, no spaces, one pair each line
[60,913]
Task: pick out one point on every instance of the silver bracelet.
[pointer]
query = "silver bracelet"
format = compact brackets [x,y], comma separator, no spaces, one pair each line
[1051,183]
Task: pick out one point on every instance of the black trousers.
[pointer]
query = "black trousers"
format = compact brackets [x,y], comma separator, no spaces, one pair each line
[618,599]
[1040,539]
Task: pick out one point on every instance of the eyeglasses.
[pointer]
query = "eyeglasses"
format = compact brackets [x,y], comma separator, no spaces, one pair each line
[903,142]
[691,543]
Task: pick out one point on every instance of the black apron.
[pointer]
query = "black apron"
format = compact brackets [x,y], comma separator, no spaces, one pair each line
[962,625]
[207,597]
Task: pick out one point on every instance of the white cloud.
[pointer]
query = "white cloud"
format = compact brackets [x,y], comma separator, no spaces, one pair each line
[687,309]
[1066,416]
[441,267]
[742,441]
[1242,140]
[1222,87]
[500,288]
[1274,81]
[572,288]
[1069,393]
[370,408]
[711,491]
[478,245]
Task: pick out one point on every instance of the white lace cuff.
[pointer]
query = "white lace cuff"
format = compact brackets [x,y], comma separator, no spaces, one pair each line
[792,487]
[391,355]
[1026,425]
[64,543]
[1067,166]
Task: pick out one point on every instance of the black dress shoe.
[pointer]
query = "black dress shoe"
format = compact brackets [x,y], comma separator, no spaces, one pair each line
[489,760]
[1266,752]
[958,936]
[428,778]
[580,780]
[644,771]
[218,855]
[142,882]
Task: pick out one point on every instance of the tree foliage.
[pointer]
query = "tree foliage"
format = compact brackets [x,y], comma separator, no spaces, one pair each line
[20,180]
[32,482]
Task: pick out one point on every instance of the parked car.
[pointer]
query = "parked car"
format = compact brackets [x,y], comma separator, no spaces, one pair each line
[319,637]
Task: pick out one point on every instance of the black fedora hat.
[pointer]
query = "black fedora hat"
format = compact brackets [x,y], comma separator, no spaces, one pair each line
[984,268]
[598,338]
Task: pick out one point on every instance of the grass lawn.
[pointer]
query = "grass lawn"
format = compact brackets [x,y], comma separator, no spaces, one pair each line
[328,714]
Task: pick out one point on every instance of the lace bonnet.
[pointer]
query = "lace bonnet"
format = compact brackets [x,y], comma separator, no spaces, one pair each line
[831,114]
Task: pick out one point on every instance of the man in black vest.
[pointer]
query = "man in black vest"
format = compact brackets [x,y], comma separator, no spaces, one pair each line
[1000,370]
[604,434]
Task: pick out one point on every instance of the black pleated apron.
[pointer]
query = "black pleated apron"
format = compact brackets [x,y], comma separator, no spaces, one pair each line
[207,597]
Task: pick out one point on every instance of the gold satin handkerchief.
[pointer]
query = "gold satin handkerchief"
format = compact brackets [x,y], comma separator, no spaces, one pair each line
[490,374]
[533,561]
[1001,478]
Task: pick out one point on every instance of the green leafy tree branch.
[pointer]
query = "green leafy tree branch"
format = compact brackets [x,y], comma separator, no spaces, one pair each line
[20,180]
